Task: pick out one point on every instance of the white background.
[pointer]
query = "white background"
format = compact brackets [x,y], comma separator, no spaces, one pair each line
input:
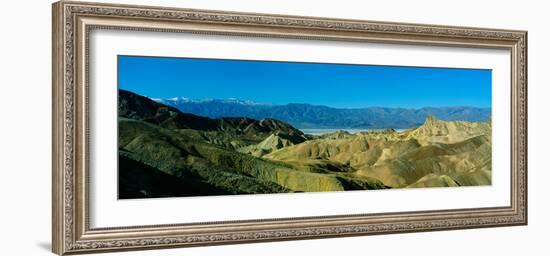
[107,211]
[25,127]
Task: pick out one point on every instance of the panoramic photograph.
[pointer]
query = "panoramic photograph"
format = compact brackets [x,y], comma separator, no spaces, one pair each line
[210,127]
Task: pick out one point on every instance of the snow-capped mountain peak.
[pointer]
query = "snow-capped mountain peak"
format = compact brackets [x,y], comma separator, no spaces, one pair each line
[182,100]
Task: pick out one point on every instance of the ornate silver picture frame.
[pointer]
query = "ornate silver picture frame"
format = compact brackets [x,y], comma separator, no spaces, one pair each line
[73,22]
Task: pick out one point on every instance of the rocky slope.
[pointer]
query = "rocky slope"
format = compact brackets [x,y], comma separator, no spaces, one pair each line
[433,154]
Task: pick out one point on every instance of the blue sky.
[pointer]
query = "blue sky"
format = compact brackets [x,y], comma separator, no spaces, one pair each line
[334,85]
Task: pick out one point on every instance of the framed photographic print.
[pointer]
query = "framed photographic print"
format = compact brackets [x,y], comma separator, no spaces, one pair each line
[178,127]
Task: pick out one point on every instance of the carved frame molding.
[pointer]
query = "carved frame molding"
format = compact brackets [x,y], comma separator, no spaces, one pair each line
[72,22]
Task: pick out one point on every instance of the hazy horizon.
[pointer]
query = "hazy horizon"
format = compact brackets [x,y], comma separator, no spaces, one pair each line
[193,100]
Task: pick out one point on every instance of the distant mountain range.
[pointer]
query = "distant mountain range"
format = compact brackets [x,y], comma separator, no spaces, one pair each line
[315,116]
